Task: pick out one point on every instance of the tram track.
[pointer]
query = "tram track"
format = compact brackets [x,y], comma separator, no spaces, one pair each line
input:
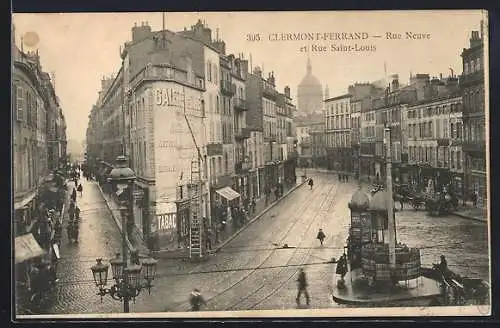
[282,237]
[263,276]
[300,260]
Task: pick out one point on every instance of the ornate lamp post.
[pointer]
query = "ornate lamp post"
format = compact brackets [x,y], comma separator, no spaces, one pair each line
[127,276]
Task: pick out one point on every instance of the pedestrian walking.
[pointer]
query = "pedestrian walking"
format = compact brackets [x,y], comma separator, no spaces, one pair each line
[80,189]
[267,192]
[73,195]
[321,236]
[253,206]
[311,183]
[474,199]
[196,300]
[302,286]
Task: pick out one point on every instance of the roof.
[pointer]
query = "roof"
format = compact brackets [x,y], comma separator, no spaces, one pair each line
[339,97]
[359,200]
[379,201]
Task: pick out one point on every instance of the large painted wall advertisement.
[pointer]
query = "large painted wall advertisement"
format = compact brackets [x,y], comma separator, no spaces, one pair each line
[174,146]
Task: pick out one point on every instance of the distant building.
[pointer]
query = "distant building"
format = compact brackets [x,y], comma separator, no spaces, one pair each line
[434,133]
[309,93]
[305,127]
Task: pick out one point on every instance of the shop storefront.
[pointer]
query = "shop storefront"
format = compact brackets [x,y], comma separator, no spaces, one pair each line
[254,183]
[183,222]
[457,183]
[289,173]
[166,223]
[141,209]
[261,180]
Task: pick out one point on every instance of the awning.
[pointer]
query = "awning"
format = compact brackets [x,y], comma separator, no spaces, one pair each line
[228,193]
[23,202]
[26,247]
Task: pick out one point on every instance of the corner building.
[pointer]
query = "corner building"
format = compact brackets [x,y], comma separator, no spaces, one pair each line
[474,145]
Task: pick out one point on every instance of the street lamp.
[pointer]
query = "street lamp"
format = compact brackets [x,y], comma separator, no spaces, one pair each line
[127,276]
[129,281]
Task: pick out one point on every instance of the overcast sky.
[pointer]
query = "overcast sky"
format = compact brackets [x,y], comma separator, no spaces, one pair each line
[81,48]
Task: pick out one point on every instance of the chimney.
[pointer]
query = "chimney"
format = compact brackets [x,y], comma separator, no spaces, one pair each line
[271,79]
[257,71]
[395,82]
[474,39]
[287,91]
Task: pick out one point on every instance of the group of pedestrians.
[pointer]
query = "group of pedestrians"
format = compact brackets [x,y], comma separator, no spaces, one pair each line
[343,177]
[73,226]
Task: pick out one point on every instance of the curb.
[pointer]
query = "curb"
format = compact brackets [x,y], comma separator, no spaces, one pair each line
[118,223]
[470,217]
[258,216]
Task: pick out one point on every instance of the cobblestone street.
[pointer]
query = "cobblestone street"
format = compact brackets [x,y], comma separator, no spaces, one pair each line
[250,272]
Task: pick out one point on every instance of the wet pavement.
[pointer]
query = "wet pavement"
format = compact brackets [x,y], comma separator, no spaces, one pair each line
[249,272]
[98,238]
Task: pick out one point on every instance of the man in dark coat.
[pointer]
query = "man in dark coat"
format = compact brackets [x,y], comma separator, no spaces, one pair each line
[196,300]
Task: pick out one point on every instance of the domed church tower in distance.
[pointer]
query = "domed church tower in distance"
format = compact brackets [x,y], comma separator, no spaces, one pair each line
[309,93]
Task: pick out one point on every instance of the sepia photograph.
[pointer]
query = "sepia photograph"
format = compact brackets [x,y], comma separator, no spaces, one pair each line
[250,164]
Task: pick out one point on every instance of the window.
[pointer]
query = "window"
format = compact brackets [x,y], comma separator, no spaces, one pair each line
[459,160]
[19,103]
[478,64]
[209,71]
[215,74]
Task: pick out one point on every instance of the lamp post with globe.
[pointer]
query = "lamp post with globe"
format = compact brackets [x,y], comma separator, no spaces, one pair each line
[127,276]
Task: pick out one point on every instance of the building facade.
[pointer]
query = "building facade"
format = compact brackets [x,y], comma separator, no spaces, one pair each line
[38,140]
[474,144]
[434,127]
[338,132]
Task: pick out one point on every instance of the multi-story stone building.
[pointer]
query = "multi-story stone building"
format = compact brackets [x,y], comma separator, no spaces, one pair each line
[390,111]
[356,106]
[38,138]
[209,102]
[318,144]
[242,162]
[304,125]
[472,84]
[434,129]
[338,133]
[367,141]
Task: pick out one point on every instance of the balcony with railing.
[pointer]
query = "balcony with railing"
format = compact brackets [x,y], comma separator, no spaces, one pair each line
[240,104]
[214,149]
[474,145]
[227,87]
[269,91]
[242,133]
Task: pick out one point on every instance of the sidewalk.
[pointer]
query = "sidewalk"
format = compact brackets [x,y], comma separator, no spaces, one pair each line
[136,242]
[261,209]
[473,213]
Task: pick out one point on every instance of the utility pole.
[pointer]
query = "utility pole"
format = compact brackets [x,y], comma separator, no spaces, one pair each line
[390,203]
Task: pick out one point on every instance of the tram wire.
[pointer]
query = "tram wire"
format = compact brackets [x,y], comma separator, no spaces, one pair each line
[168,275]
[318,220]
[242,249]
